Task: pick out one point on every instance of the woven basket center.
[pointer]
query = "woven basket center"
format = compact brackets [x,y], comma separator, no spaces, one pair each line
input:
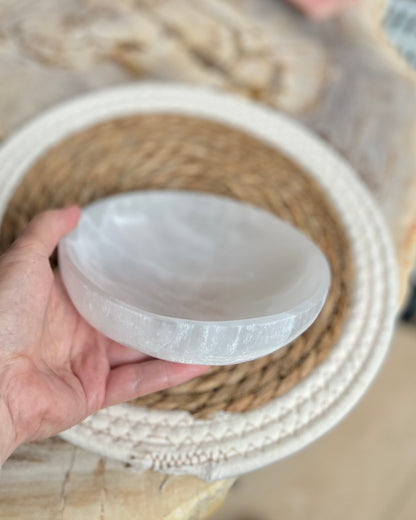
[177,152]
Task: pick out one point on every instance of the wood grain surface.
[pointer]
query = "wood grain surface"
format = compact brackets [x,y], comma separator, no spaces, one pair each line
[55,480]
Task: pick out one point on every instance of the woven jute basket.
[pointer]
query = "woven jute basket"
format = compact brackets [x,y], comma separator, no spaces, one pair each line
[179,152]
[233,418]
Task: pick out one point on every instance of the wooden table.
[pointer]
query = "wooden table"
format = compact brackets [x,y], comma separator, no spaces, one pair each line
[341,78]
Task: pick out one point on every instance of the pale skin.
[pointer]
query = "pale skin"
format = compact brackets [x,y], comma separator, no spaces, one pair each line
[55,369]
[322,9]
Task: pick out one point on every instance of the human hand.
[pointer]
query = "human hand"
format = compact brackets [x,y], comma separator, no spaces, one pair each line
[321,9]
[55,369]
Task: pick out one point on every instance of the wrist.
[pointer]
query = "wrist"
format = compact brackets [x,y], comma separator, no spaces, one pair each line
[7,434]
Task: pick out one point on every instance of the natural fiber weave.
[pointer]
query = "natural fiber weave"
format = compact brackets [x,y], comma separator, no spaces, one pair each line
[178,152]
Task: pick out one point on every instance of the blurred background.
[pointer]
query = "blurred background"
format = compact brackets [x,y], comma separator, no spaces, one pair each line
[366,467]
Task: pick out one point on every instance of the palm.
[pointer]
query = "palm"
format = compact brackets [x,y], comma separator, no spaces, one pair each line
[55,369]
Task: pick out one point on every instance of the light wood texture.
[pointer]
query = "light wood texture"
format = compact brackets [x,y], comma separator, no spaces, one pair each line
[365,468]
[54,480]
[341,78]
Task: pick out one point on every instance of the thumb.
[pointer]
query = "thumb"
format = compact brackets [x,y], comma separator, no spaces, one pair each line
[44,231]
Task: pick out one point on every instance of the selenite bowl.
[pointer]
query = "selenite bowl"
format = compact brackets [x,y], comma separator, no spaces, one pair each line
[192,277]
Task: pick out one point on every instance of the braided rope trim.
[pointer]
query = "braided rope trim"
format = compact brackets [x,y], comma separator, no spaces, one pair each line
[228,443]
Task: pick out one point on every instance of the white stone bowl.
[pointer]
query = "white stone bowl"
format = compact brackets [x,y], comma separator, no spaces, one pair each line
[192,277]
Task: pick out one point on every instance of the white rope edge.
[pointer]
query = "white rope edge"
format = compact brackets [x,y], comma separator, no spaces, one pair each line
[231,444]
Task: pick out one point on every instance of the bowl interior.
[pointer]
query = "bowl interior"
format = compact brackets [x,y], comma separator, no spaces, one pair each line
[196,256]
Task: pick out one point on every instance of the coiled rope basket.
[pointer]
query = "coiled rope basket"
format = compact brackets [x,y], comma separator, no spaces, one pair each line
[234,418]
